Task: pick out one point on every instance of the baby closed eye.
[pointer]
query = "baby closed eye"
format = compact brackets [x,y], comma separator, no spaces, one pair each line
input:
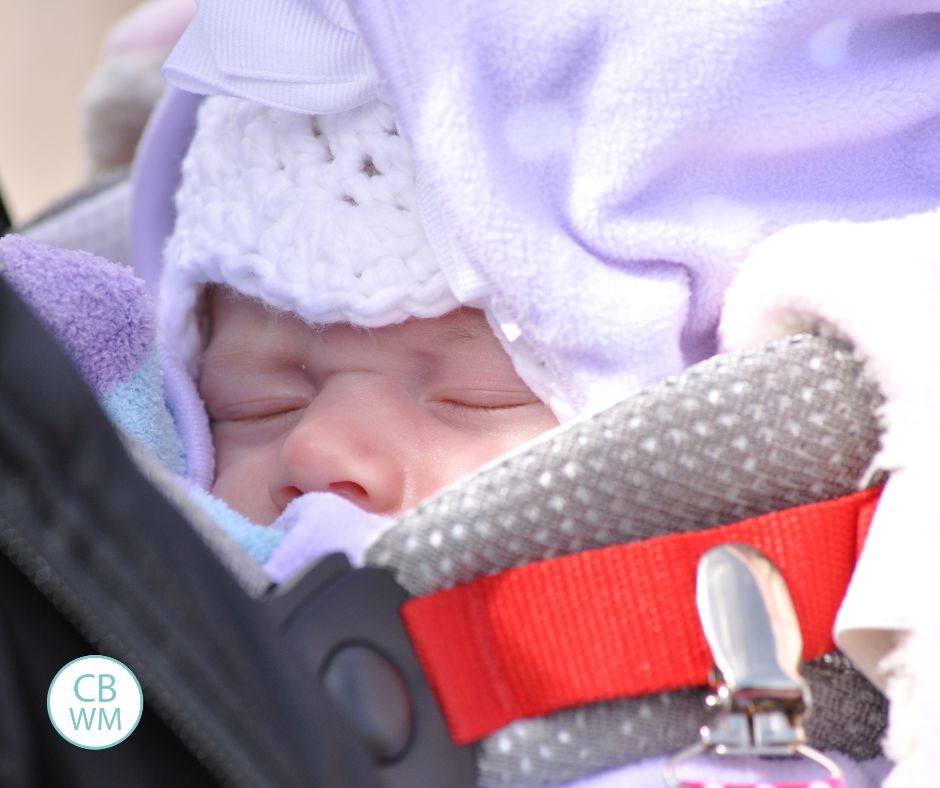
[467,407]
[255,411]
[481,407]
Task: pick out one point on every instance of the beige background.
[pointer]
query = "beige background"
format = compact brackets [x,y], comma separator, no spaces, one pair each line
[47,53]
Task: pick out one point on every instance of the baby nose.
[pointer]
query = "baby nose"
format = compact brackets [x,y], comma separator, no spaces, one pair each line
[348,442]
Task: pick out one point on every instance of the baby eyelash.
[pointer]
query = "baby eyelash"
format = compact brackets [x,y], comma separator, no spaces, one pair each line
[256,418]
[464,406]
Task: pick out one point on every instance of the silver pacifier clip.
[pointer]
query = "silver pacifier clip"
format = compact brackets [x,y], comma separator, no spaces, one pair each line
[754,634]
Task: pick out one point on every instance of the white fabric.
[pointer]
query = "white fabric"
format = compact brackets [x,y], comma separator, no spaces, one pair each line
[312,215]
[317,524]
[316,58]
[878,285]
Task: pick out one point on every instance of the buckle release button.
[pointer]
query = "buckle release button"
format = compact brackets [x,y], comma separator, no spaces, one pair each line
[369,690]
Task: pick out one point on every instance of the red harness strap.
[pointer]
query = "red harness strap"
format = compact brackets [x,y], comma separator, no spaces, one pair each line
[616,622]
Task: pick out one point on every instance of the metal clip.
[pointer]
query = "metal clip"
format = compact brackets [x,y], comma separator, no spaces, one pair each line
[754,635]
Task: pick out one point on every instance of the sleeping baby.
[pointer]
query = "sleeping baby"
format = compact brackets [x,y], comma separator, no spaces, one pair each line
[301,292]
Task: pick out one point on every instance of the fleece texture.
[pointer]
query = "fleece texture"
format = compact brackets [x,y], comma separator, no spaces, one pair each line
[593,173]
[103,317]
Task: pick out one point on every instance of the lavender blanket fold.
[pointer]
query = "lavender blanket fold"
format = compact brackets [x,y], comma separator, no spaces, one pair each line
[595,172]
[103,317]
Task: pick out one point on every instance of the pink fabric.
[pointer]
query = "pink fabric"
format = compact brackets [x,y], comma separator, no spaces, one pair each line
[154,26]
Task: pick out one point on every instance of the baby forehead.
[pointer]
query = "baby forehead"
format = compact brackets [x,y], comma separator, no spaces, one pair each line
[239,320]
[460,326]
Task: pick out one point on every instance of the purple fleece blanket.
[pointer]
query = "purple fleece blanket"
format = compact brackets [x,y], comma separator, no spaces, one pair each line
[594,172]
[103,317]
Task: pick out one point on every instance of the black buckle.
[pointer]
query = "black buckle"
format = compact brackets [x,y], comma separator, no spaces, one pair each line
[346,626]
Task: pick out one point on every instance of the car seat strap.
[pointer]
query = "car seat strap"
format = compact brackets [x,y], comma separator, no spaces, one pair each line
[619,621]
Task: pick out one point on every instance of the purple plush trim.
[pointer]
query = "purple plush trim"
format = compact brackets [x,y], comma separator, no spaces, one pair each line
[155,179]
[192,423]
[98,310]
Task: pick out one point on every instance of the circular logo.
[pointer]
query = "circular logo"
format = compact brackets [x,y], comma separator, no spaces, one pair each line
[95,702]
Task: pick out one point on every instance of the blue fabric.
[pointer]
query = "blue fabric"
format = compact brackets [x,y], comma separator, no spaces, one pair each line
[138,407]
[260,541]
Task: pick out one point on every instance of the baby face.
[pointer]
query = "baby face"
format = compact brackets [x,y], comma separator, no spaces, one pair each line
[384,417]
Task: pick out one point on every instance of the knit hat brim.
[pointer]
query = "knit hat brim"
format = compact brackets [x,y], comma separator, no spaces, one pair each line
[314,215]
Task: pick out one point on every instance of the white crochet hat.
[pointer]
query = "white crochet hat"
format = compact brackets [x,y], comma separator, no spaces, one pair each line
[315,215]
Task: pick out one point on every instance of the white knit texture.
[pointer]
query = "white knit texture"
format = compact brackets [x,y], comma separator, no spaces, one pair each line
[314,215]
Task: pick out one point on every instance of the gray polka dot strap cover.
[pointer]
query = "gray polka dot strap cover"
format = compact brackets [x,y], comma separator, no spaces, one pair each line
[784,425]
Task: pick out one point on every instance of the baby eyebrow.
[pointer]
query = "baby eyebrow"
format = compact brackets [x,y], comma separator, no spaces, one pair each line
[227,358]
[236,362]
[242,350]
[455,333]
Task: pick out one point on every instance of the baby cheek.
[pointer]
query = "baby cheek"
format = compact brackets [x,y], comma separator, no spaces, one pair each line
[453,454]
[241,480]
